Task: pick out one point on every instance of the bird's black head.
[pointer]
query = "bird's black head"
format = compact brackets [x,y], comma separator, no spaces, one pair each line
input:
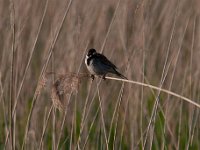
[91,52]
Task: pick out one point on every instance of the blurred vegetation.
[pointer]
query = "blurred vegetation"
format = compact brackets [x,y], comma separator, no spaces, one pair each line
[156,42]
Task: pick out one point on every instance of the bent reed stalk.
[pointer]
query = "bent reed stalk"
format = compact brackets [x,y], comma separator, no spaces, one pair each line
[158,89]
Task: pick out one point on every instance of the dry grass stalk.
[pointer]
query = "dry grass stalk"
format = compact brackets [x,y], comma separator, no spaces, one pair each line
[41,85]
[63,86]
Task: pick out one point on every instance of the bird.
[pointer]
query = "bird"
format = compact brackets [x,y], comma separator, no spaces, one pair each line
[99,65]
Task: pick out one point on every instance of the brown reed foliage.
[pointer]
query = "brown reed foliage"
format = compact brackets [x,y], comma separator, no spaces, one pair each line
[63,86]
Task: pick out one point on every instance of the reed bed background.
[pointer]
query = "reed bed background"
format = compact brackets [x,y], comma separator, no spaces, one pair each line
[48,101]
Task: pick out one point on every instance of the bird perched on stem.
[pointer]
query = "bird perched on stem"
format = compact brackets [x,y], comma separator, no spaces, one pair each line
[99,65]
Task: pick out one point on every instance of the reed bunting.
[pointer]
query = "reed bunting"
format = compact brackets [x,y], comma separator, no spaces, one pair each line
[99,65]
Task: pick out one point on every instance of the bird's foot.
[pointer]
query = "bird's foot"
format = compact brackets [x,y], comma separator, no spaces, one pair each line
[92,76]
[104,77]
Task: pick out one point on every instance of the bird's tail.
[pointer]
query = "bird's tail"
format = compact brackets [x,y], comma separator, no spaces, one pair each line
[120,75]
